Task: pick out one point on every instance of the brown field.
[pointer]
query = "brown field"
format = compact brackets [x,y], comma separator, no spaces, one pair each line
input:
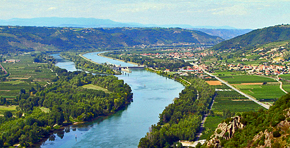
[19,78]
[249,84]
[214,82]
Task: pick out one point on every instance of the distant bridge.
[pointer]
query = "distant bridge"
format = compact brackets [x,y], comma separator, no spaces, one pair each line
[128,67]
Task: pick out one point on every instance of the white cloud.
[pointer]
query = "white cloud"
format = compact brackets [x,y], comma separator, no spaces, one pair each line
[51,8]
[233,10]
[141,7]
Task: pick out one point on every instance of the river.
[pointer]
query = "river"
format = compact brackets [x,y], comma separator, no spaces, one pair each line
[151,94]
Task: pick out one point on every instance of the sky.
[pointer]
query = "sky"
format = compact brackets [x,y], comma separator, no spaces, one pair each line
[243,14]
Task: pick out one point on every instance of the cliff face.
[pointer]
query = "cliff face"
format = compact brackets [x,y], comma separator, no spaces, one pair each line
[272,136]
[225,131]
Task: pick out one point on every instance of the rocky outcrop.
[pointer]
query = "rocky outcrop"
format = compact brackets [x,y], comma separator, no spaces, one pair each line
[225,131]
[266,136]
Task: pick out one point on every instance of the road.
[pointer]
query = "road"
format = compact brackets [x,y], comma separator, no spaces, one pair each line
[3,69]
[281,85]
[247,96]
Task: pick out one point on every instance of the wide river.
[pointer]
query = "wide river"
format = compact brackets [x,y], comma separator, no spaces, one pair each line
[151,94]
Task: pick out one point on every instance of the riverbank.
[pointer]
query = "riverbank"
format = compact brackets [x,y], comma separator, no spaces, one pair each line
[101,55]
[152,94]
[81,55]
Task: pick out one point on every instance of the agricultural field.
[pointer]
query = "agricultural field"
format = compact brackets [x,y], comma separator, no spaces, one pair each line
[260,92]
[234,105]
[286,86]
[24,75]
[226,100]
[285,76]
[238,79]
[95,87]
[214,82]
[12,109]
[210,126]
[231,101]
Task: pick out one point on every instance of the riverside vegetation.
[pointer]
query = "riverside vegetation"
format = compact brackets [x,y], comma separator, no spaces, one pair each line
[70,97]
[181,119]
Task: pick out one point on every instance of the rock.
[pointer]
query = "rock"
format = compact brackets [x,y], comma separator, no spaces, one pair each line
[225,131]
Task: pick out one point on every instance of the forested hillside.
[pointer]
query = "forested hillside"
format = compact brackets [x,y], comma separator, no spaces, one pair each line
[256,38]
[83,39]
[265,128]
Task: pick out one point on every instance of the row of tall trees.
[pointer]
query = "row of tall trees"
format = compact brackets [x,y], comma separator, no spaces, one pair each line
[181,119]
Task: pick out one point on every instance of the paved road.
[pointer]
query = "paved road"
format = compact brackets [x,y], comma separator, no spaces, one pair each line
[247,96]
[281,84]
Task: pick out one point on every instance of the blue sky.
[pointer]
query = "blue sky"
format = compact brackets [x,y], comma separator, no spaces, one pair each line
[250,14]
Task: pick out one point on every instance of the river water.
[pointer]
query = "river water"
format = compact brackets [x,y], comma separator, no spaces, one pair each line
[151,94]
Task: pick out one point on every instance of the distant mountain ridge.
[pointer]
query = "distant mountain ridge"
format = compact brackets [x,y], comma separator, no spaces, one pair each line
[90,23]
[16,38]
[255,38]
[225,33]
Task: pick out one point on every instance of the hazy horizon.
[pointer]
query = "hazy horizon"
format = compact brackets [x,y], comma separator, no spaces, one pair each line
[242,14]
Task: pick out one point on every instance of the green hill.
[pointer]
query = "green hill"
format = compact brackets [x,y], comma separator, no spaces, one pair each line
[256,38]
[265,128]
[63,39]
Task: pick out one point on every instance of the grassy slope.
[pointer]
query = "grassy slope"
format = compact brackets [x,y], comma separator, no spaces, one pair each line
[7,108]
[95,87]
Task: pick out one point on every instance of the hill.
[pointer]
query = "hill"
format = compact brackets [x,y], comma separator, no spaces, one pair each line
[224,33]
[265,128]
[256,38]
[63,39]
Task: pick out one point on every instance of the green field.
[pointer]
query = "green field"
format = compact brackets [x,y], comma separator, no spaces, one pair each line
[286,86]
[95,87]
[46,110]
[236,105]
[227,73]
[226,100]
[285,76]
[210,125]
[24,75]
[237,79]
[7,108]
[262,91]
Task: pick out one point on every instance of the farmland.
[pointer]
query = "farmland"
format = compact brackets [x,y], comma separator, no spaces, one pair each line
[285,76]
[238,79]
[12,109]
[24,75]
[226,101]
[261,92]
[95,87]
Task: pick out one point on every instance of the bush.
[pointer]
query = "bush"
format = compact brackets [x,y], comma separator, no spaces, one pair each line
[7,114]
[218,131]
[276,145]
[276,134]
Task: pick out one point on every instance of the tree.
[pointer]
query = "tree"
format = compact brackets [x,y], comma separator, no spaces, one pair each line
[22,91]
[8,114]
[19,114]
